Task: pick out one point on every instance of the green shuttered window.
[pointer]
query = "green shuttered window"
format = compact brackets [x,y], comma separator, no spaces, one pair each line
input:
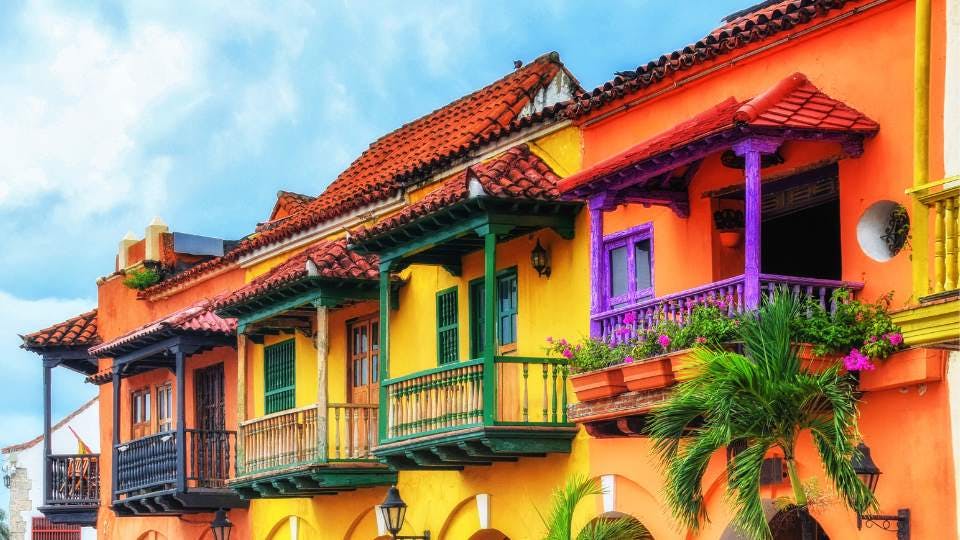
[506,311]
[448,334]
[279,376]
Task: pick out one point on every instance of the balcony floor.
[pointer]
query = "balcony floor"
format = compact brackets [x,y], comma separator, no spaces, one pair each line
[173,503]
[314,480]
[476,446]
[84,515]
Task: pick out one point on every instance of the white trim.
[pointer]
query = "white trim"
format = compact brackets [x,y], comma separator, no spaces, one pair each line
[294,528]
[381,524]
[951,93]
[608,483]
[483,510]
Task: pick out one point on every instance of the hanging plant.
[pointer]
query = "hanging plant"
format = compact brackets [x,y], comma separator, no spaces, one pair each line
[141,279]
[728,219]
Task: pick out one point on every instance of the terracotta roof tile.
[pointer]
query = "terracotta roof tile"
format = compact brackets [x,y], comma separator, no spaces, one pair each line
[752,27]
[730,113]
[198,318]
[516,173]
[79,331]
[423,145]
[329,259]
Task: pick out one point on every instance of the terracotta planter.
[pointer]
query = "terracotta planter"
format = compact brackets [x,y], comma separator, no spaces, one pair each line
[655,372]
[599,384]
[906,368]
[730,239]
[813,362]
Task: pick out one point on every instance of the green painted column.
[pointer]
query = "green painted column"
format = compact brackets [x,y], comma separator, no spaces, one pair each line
[490,330]
[384,411]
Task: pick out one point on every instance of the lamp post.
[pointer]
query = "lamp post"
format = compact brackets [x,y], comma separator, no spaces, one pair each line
[221,526]
[394,510]
[869,474]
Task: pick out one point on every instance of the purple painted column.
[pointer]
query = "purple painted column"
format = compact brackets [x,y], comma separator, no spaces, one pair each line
[597,204]
[752,150]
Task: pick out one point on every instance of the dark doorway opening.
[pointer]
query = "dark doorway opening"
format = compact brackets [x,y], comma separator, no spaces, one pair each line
[796,524]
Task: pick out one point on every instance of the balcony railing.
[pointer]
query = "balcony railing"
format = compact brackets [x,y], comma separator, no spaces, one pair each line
[74,480]
[150,463]
[678,306]
[290,439]
[527,392]
[944,208]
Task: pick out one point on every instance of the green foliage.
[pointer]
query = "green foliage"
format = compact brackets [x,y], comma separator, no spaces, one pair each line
[141,279]
[559,522]
[4,526]
[853,325]
[589,355]
[767,398]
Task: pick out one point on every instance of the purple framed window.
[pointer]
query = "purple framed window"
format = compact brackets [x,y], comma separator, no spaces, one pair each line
[627,266]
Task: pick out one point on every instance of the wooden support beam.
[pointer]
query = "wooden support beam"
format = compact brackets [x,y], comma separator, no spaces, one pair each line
[322,343]
[241,390]
[181,421]
[46,432]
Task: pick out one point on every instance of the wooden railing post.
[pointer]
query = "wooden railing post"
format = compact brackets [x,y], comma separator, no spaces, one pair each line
[241,395]
[115,455]
[491,323]
[322,346]
[385,267]
[47,367]
[181,421]
[598,264]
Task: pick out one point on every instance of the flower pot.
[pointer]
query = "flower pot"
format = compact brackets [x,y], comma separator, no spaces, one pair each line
[730,239]
[655,372]
[811,361]
[598,384]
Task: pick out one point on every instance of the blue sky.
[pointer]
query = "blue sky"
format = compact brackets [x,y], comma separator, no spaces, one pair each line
[114,112]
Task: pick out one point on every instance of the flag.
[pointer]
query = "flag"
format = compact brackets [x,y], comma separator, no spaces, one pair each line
[82,447]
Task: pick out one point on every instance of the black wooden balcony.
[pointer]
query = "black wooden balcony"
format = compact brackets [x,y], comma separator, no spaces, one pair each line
[156,475]
[72,490]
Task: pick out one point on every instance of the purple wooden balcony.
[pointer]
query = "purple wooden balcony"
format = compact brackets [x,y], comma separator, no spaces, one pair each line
[677,306]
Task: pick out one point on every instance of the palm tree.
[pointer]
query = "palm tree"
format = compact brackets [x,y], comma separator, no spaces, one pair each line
[766,398]
[565,501]
[4,527]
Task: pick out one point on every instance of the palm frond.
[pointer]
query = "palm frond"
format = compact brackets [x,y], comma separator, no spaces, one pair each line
[614,529]
[559,521]
[744,490]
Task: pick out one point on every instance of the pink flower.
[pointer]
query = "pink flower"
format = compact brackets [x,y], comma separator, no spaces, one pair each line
[857,361]
[628,360]
[700,340]
[549,339]
[895,338]
[630,318]
[563,342]
[721,304]
[568,353]
[664,341]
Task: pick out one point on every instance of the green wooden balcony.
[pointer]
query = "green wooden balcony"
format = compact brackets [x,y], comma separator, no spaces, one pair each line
[300,453]
[476,413]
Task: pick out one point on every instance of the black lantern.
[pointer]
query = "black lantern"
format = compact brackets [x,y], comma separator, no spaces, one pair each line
[865,468]
[221,525]
[869,474]
[394,510]
[540,260]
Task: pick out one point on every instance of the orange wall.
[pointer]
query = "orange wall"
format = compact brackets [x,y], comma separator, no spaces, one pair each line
[854,62]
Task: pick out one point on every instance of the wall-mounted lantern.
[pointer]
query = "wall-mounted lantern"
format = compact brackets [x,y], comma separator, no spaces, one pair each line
[540,259]
[394,510]
[869,474]
[221,526]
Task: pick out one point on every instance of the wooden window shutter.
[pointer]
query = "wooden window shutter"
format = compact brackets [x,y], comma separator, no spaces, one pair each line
[448,334]
[279,376]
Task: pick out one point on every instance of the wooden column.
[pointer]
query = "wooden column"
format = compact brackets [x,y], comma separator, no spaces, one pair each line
[383,417]
[47,368]
[181,421]
[322,399]
[114,455]
[241,391]
[597,264]
[490,326]
[752,150]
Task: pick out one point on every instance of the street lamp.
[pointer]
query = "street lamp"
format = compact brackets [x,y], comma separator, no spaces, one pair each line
[221,525]
[869,474]
[540,260]
[394,510]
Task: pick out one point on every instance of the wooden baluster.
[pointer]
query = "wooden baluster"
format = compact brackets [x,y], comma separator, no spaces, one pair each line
[543,368]
[526,394]
[553,400]
[939,247]
[951,210]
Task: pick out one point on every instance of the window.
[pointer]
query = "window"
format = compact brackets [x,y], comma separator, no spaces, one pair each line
[448,327]
[279,377]
[140,413]
[628,265]
[506,313]
[165,407]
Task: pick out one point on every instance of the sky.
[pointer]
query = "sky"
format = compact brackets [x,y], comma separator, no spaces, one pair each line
[114,112]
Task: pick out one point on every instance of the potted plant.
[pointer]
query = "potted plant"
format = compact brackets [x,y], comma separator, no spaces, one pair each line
[729,223]
[594,365]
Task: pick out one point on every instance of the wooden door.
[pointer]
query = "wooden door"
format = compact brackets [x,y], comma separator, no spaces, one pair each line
[364,381]
[209,442]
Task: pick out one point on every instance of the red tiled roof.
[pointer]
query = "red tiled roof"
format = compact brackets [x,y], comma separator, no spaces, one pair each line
[198,318]
[288,203]
[79,331]
[516,173]
[101,377]
[330,259]
[752,27]
[793,103]
[431,141]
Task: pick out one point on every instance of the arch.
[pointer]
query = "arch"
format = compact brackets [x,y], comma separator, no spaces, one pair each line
[488,534]
[791,524]
[634,500]
[281,529]
[361,528]
[152,535]
[454,514]
[620,515]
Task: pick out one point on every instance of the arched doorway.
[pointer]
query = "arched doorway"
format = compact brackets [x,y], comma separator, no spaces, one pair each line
[796,524]
[489,534]
[609,516]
